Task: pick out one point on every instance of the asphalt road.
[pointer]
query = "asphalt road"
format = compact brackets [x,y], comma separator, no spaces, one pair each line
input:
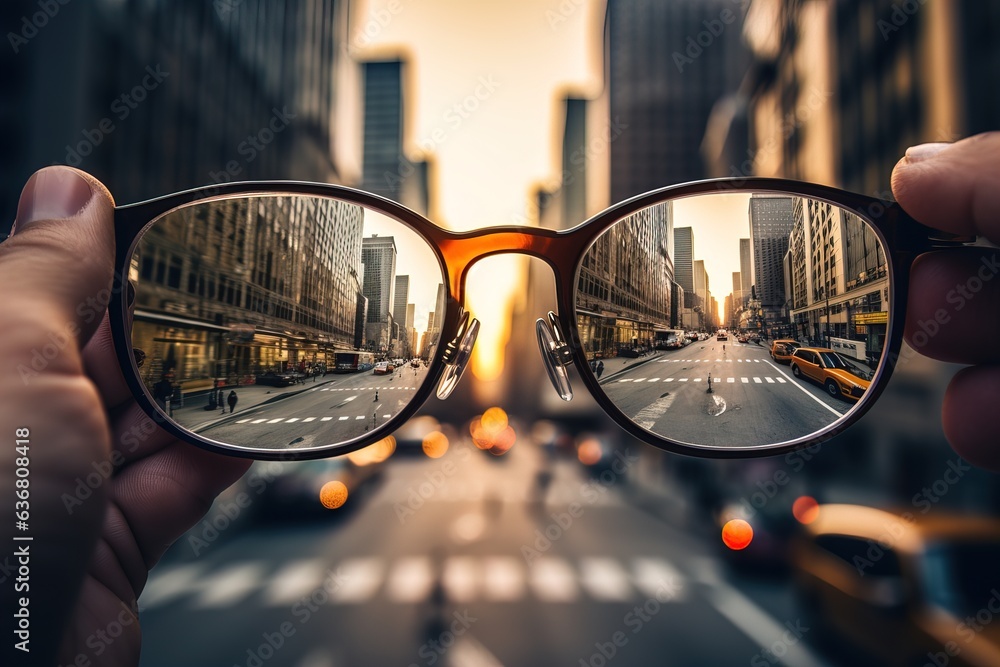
[754,401]
[460,561]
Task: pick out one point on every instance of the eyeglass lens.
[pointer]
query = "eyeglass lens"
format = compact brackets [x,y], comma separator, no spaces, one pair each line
[790,352]
[283,322]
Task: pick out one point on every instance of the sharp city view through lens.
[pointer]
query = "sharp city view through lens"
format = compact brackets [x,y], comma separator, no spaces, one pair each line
[788,350]
[504,526]
[284,321]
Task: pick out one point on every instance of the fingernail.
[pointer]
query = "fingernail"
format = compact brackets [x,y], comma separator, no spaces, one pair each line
[52,193]
[924,151]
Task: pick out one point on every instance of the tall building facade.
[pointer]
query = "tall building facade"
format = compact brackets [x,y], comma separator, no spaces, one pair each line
[399,299]
[746,269]
[382,135]
[683,267]
[378,254]
[770,225]
[668,63]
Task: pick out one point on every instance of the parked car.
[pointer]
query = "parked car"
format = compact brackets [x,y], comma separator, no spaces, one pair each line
[831,370]
[781,349]
[381,368]
[276,379]
[904,588]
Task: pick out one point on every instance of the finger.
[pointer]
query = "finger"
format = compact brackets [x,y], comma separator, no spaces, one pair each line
[101,364]
[954,305]
[60,260]
[970,417]
[953,187]
[163,495]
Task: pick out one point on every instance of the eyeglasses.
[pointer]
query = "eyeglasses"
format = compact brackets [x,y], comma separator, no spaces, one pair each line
[323,316]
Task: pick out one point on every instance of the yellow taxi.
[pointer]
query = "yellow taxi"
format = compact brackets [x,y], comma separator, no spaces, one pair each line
[837,375]
[907,588]
[781,349]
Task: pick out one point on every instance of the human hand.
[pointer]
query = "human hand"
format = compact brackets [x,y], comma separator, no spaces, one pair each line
[956,188]
[60,379]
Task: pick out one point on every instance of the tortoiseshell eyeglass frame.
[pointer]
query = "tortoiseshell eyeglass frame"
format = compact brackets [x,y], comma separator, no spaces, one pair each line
[902,237]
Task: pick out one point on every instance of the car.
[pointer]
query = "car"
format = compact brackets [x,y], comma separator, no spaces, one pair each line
[390,366]
[903,587]
[721,336]
[381,368]
[781,349]
[276,379]
[629,352]
[831,370]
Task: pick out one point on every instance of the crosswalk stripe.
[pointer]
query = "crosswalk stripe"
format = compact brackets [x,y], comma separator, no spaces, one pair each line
[758,381]
[637,380]
[654,379]
[242,421]
[293,419]
[730,380]
[625,380]
[309,419]
[294,581]
[553,580]
[745,380]
[503,579]
[668,379]
[697,379]
[275,421]
[604,579]
[258,421]
[359,417]
[411,579]
[343,419]
[756,361]
[229,586]
[682,379]
[171,584]
[782,380]
[357,580]
[770,380]
[460,578]
[325,419]
[655,577]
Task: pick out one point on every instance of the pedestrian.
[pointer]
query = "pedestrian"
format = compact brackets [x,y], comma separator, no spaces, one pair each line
[232,401]
[600,368]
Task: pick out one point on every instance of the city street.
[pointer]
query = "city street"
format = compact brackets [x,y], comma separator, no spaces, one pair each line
[336,409]
[458,561]
[751,395]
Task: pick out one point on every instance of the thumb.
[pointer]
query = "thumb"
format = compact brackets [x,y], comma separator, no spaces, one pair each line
[56,267]
[953,187]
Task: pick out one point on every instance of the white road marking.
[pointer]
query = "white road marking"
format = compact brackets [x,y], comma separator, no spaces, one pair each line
[625,380]
[781,380]
[359,417]
[745,380]
[553,580]
[171,583]
[309,419]
[758,380]
[242,421]
[357,580]
[275,421]
[503,579]
[730,380]
[293,419]
[654,379]
[720,406]
[411,579]
[668,379]
[770,380]
[229,586]
[605,580]
[343,419]
[682,379]
[325,419]
[350,398]
[294,581]
[657,578]
[805,391]
[637,380]
[460,578]
[258,421]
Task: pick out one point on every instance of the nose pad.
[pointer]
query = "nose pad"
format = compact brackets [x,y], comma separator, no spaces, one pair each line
[556,355]
[457,354]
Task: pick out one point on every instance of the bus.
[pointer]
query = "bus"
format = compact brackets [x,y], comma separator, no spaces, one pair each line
[353,362]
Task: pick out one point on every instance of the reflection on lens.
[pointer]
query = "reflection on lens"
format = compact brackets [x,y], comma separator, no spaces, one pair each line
[284,321]
[735,319]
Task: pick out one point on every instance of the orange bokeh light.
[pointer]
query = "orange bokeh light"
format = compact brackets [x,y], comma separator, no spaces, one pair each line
[333,495]
[435,444]
[737,534]
[589,452]
[805,509]
[502,442]
[494,420]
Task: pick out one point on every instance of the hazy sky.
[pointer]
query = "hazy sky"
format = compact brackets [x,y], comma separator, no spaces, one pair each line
[485,78]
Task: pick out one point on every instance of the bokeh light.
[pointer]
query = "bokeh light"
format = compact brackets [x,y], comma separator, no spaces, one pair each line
[589,452]
[502,442]
[435,444]
[737,534]
[494,420]
[805,509]
[333,494]
[377,452]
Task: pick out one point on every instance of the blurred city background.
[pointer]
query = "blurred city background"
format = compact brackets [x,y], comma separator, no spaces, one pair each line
[569,542]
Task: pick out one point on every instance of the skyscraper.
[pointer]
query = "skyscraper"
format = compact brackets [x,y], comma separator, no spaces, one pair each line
[399,299]
[668,64]
[683,257]
[384,161]
[771,221]
[378,254]
[746,268]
